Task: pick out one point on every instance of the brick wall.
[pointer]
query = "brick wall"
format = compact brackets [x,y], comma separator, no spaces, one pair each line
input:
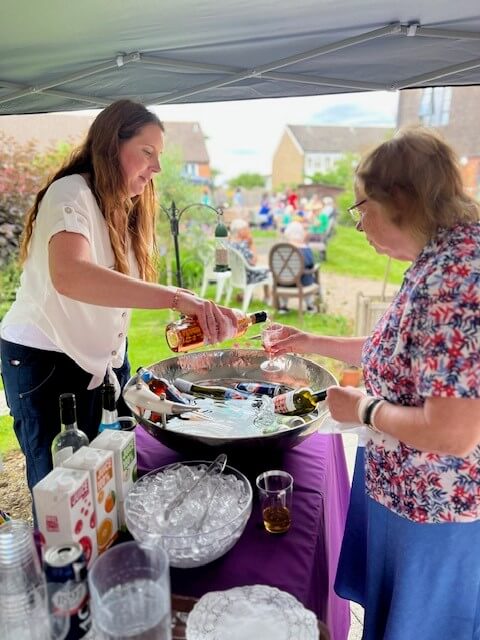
[287,164]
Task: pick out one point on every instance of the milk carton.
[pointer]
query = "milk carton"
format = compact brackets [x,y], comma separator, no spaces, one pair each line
[102,477]
[66,510]
[122,445]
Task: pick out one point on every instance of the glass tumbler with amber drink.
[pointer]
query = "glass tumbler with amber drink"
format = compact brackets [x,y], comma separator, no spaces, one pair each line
[275,489]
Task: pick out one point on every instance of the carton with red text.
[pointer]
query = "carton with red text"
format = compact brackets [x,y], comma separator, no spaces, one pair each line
[100,464]
[66,511]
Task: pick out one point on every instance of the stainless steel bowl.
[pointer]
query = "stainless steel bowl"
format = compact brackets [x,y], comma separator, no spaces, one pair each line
[240,365]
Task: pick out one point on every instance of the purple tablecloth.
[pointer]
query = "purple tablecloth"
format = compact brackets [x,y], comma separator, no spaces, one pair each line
[302,562]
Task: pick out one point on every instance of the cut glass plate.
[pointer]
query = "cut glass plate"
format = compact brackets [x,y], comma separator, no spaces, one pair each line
[257,611]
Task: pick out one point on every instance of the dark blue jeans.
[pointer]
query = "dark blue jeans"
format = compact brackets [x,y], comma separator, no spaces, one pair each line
[33,381]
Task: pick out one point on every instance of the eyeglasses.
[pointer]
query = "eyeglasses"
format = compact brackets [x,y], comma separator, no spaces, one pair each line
[354,210]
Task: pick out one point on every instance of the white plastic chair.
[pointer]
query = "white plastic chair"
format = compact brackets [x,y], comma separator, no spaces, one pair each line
[238,279]
[212,276]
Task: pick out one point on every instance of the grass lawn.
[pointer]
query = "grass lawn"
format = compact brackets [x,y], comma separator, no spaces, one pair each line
[147,345]
[8,440]
[348,253]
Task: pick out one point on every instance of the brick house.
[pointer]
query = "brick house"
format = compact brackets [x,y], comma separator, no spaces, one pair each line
[305,150]
[49,129]
[453,111]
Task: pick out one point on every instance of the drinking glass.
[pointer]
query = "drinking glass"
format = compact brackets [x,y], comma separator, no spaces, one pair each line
[275,490]
[270,335]
[130,593]
[23,592]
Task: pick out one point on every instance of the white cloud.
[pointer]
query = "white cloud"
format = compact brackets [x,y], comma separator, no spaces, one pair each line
[242,136]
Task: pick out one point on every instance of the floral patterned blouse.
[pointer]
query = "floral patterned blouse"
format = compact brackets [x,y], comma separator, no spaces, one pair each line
[427,344]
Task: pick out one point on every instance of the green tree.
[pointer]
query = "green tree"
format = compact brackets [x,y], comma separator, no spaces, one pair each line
[247,181]
[196,227]
[341,175]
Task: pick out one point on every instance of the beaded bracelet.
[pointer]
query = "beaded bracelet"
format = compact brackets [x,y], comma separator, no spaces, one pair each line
[175,299]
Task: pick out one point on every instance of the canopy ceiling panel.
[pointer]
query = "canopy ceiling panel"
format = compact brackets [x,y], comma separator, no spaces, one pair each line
[65,55]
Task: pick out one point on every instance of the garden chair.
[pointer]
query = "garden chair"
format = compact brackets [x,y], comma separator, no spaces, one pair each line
[238,280]
[212,276]
[287,266]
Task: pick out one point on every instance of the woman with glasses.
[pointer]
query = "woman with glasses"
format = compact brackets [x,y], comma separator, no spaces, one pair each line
[411,550]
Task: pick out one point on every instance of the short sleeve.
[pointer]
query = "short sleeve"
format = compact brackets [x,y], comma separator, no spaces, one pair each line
[66,207]
[445,343]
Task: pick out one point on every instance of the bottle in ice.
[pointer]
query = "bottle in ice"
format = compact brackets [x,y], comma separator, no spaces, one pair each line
[298,402]
[161,385]
[70,438]
[209,391]
[261,388]
[109,418]
[186,333]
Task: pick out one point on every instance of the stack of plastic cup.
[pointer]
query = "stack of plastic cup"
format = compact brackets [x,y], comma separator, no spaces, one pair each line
[23,594]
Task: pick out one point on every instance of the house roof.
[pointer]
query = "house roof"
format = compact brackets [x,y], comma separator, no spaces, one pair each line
[46,130]
[322,139]
[189,137]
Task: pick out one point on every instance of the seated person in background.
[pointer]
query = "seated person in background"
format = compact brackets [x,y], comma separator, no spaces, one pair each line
[265,215]
[330,212]
[319,226]
[241,239]
[286,217]
[295,234]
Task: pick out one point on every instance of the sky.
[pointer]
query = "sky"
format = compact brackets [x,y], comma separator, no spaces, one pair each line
[242,136]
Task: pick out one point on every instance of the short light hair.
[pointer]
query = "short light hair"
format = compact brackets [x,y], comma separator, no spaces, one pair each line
[416,177]
[237,225]
[294,232]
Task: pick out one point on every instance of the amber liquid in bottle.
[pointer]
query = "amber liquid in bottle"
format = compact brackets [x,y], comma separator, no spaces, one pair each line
[186,333]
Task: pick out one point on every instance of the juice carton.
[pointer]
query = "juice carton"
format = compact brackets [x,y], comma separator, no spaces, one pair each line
[122,445]
[66,510]
[100,465]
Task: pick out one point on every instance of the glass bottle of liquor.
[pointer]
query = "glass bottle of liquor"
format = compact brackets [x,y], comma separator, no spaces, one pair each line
[209,391]
[109,418]
[261,388]
[70,438]
[221,251]
[298,402]
[186,333]
[161,385]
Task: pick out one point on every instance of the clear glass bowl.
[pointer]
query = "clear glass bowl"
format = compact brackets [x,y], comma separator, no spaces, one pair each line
[186,549]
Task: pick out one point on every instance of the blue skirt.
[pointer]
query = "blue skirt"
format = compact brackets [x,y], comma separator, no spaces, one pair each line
[415,581]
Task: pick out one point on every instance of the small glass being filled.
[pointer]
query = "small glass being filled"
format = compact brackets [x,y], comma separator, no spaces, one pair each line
[271,334]
[275,489]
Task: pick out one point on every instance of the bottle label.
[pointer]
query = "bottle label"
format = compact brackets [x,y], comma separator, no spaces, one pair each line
[188,336]
[284,403]
[60,456]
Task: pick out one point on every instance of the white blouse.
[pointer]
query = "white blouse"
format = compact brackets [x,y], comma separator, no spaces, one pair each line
[93,336]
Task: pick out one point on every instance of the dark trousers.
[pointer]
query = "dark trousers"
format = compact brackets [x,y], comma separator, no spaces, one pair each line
[33,381]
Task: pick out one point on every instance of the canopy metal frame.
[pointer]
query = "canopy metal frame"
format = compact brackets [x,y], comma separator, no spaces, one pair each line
[275,70]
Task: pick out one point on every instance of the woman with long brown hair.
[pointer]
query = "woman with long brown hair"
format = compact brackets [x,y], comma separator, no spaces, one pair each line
[87,253]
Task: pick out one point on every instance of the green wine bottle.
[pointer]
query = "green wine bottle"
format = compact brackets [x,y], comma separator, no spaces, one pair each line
[209,391]
[298,402]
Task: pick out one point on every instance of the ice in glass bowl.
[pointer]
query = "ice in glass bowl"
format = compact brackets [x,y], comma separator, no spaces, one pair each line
[204,526]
